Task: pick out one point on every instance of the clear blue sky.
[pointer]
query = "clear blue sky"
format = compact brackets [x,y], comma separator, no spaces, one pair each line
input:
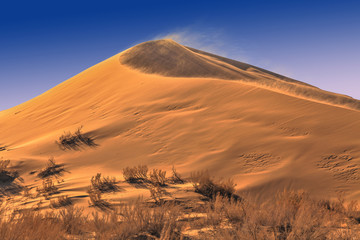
[44,43]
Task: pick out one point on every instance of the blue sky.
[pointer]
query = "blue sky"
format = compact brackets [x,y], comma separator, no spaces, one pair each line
[44,43]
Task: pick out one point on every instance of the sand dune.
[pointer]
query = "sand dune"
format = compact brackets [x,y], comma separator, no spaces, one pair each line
[163,104]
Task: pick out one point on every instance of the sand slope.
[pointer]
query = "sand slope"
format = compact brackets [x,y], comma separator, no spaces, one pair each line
[248,128]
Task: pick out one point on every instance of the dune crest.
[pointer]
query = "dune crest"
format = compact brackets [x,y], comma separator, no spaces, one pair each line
[168,58]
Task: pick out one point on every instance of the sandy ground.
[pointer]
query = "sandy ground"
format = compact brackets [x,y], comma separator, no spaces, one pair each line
[248,125]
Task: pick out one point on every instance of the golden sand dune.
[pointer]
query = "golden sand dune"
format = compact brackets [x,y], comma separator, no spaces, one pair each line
[163,104]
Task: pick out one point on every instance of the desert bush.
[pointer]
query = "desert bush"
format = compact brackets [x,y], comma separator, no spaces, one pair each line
[73,141]
[96,200]
[136,174]
[6,174]
[73,220]
[60,201]
[48,188]
[104,184]
[176,177]
[158,177]
[208,187]
[51,169]
[156,193]
[160,221]
[3,148]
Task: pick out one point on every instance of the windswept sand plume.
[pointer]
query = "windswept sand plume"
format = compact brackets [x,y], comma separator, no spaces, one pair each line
[162,104]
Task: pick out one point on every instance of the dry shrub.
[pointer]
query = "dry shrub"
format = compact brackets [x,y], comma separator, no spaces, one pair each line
[31,225]
[74,141]
[6,174]
[104,184]
[136,174]
[176,177]
[96,200]
[60,201]
[48,188]
[158,177]
[51,169]
[208,187]
[290,215]
[3,148]
[156,193]
[72,220]
[160,221]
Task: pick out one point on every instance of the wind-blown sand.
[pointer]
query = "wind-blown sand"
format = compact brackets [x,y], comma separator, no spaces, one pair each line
[163,104]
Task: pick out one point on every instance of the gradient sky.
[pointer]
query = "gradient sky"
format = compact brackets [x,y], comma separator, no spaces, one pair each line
[44,43]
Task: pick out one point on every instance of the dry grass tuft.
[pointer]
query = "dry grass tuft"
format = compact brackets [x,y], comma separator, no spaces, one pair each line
[158,177]
[6,174]
[51,169]
[104,184]
[208,187]
[136,174]
[96,200]
[61,201]
[48,188]
[74,141]
[176,177]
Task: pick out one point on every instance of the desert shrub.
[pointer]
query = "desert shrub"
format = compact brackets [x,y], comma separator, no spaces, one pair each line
[3,148]
[208,187]
[158,177]
[156,193]
[73,141]
[104,184]
[176,177]
[136,174]
[96,200]
[60,201]
[73,220]
[160,221]
[51,169]
[6,174]
[31,225]
[48,188]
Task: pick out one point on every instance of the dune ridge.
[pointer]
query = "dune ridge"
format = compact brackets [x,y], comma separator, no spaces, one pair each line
[168,58]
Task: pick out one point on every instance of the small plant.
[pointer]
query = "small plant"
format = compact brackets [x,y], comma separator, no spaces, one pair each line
[73,141]
[7,175]
[61,201]
[136,174]
[104,184]
[3,148]
[176,177]
[96,200]
[208,187]
[52,169]
[48,188]
[158,177]
[156,193]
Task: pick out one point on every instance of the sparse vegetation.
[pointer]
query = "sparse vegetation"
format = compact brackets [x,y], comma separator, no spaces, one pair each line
[136,174]
[176,177]
[104,184]
[6,174]
[156,193]
[158,177]
[48,188]
[52,169]
[3,148]
[207,186]
[74,141]
[96,200]
[60,201]
[222,215]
